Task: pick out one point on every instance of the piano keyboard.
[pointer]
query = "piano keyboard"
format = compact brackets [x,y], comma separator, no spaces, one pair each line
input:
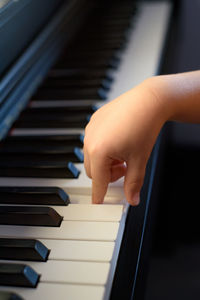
[42,174]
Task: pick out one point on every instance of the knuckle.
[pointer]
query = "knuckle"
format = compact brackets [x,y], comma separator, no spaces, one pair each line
[135,182]
[95,149]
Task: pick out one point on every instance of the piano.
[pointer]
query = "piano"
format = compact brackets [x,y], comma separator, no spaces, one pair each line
[62,60]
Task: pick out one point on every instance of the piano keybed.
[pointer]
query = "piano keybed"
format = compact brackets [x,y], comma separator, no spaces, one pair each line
[45,193]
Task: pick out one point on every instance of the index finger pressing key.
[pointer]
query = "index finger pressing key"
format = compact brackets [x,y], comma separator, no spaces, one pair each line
[101,175]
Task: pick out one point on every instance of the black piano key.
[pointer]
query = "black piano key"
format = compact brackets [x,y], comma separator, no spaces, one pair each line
[33,195]
[87,72]
[96,41]
[89,52]
[79,55]
[90,59]
[103,33]
[72,140]
[107,39]
[41,154]
[85,63]
[119,11]
[48,115]
[41,157]
[60,111]
[103,43]
[40,148]
[70,94]
[74,83]
[109,30]
[18,275]
[79,74]
[119,8]
[6,295]
[100,33]
[23,249]
[29,216]
[57,114]
[108,33]
[56,123]
[42,169]
[50,118]
[106,20]
[107,46]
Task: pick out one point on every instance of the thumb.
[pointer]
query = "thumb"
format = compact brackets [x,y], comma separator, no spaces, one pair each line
[134,179]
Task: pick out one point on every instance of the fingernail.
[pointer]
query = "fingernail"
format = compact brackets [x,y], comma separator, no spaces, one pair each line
[97,202]
[136,199]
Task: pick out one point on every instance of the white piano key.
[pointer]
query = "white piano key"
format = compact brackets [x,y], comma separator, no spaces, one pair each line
[79,250]
[74,272]
[72,230]
[52,291]
[86,199]
[90,212]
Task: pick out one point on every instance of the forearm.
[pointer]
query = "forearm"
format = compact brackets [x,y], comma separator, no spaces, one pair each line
[178,95]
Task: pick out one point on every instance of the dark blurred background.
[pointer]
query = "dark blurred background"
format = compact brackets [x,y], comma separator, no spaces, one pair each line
[174,271]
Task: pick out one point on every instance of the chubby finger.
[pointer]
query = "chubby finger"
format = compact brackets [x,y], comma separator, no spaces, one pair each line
[101,174]
[134,180]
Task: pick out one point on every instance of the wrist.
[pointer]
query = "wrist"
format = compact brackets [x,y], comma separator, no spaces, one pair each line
[158,89]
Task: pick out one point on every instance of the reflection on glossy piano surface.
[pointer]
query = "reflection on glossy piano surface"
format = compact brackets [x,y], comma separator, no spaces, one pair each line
[61,61]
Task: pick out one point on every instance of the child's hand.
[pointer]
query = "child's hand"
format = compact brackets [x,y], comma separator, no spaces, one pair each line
[119,139]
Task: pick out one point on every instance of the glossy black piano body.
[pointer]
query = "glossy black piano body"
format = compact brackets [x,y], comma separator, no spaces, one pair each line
[22,74]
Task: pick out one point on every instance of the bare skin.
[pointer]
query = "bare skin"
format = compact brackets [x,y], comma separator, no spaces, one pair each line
[120,136]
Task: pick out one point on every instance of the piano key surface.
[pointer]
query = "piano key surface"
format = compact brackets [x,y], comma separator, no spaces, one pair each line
[72,230]
[76,272]
[79,250]
[54,291]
